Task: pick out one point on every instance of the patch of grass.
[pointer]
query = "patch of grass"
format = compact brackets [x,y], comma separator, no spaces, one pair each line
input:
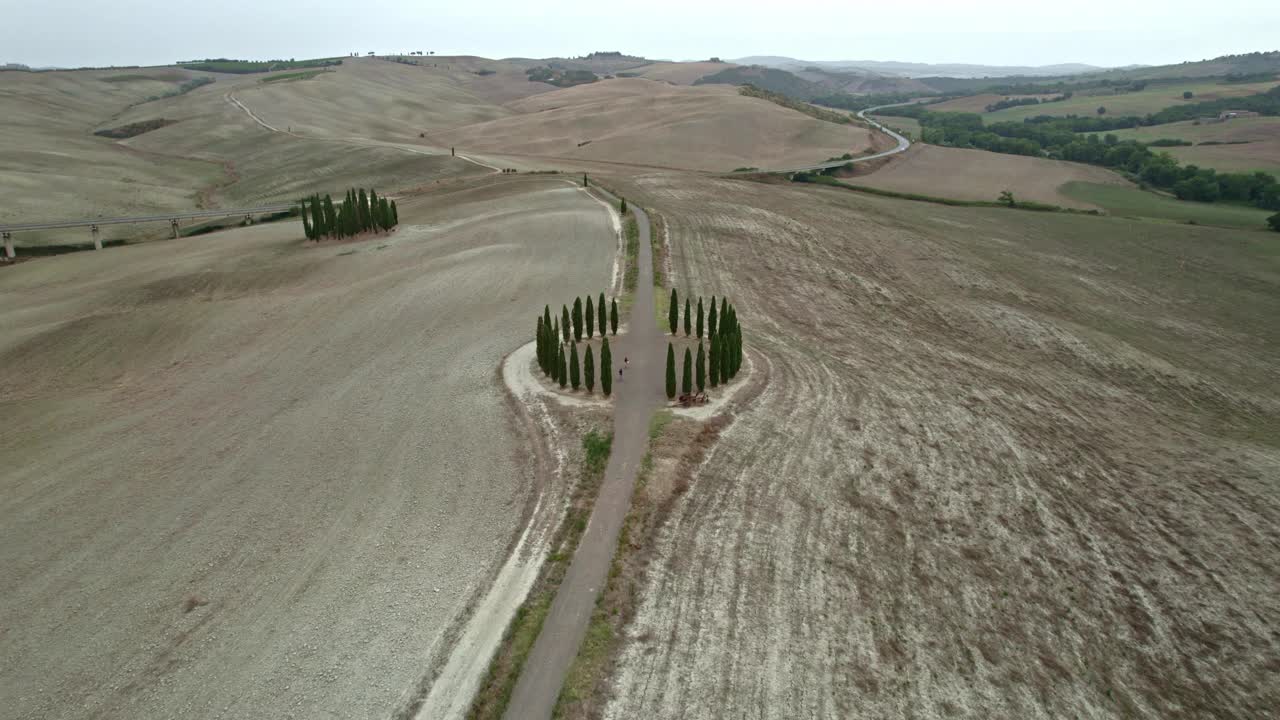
[125,78]
[495,690]
[1132,202]
[245,67]
[813,111]
[659,422]
[1020,205]
[287,77]
[631,234]
[134,129]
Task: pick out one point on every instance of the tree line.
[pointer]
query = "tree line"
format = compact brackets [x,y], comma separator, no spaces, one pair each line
[716,363]
[552,335]
[359,212]
[1059,140]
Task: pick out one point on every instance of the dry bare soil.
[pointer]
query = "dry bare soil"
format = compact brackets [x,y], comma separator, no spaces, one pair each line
[1007,464]
[980,175]
[245,477]
[644,122]
[356,125]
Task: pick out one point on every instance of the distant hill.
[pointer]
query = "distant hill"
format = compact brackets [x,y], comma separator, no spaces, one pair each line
[915,70]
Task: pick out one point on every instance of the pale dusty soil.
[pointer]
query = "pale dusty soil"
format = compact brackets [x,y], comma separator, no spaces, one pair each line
[350,128]
[309,440]
[644,122]
[1005,465]
[980,175]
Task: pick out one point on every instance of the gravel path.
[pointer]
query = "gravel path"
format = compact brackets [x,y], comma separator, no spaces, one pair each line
[638,393]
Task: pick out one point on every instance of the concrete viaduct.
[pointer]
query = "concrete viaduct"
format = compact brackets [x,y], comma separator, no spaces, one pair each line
[7,231]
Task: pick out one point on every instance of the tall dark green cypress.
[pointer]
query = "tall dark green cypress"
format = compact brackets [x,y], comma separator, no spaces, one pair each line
[673,312]
[575,374]
[565,327]
[687,375]
[561,366]
[306,223]
[613,315]
[537,338]
[722,350]
[711,318]
[724,305]
[713,363]
[362,211]
[624,206]
[546,315]
[671,371]
[577,319]
[330,216]
[688,321]
[602,311]
[589,370]
[606,368]
[699,317]
[375,222]
[700,369]
[395,214]
[589,316]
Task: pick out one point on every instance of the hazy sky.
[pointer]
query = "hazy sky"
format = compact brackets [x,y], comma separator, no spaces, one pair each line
[995,32]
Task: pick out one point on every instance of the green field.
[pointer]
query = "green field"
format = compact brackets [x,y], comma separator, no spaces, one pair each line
[1151,100]
[1249,128]
[1132,202]
[907,126]
[244,67]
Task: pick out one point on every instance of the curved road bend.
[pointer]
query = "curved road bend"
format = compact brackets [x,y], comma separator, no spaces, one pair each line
[903,144]
[636,396]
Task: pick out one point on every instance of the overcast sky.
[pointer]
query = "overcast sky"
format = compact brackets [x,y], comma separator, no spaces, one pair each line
[71,33]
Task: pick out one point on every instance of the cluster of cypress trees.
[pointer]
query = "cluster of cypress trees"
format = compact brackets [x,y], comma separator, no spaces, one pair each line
[715,365]
[567,330]
[359,212]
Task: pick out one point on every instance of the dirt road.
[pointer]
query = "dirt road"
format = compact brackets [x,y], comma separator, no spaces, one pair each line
[638,393]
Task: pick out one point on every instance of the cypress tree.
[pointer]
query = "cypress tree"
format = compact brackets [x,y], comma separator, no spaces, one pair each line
[687,376]
[564,322]
[711,319]
[613,315]
[330,216]
[584,179]
[700,369]
[722,350]
[575,375]
[688,323]
[546,315]
[362,212]
[699,317]
[671,371]
[624,206]
[606,369]
[560,366]
[577,319]
[589,370]
[590,317]
[395,215]
[600,309]
[673,312]
[306,223]
[713,363]
[724,304]
[538,339]
[375,222]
